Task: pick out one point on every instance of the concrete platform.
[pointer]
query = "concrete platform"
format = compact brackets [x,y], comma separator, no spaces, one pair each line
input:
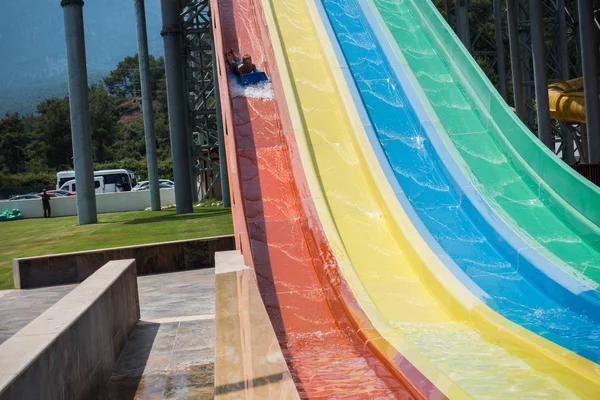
[71,349]
[171,352]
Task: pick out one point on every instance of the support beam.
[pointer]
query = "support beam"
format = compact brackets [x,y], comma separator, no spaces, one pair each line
[589,56]
[538,47]
[140,17]
[499,36]
[171,34]
[461,10]
[562,49]
[81,135]
[515,59]
[222,156]
[568,150]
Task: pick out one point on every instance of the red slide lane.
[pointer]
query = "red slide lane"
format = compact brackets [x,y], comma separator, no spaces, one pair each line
[311,308]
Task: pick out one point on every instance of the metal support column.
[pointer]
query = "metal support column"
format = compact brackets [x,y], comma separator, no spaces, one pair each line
[515,58]
[140,17]
[171,34]
[538,47]
[222,156]
[589,56]
[527,73]
[462,22]
[568,148]
[81,134]
[501,62]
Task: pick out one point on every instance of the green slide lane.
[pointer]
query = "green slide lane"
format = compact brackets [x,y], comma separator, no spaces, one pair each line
[541,198]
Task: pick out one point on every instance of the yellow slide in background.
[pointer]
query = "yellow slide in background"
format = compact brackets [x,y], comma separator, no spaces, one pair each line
[389,267]
[567,102]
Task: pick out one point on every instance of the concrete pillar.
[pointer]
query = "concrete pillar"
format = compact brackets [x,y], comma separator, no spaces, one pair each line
[142,38]
[171,34]
[588,32]
[515,58]
[81,134]
[538,47]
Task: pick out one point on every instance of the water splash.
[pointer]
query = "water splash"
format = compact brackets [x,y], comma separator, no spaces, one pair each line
[261,91]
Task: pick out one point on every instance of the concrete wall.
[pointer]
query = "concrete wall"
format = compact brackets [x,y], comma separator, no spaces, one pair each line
[70,350]
[105,203]
[153,258]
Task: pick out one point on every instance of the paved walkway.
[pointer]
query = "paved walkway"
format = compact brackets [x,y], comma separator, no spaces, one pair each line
[171,353]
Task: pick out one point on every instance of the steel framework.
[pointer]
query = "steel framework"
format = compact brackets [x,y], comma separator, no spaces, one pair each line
[508,60]
[200,86]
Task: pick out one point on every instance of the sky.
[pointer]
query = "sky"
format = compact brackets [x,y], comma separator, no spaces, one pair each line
[32,43]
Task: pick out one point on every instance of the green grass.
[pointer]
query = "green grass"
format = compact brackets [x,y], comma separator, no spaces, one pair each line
[39,236]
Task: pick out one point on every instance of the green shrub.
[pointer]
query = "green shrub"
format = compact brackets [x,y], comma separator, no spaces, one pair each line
[28,179]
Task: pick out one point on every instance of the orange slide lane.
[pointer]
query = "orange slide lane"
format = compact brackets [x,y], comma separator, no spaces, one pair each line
[312,310]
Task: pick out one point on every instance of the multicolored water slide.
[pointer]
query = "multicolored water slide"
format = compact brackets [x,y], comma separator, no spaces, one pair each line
[551,206]
[488,253]
[329,344]
[339,260]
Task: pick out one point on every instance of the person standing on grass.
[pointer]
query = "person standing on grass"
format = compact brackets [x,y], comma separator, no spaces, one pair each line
[46,204]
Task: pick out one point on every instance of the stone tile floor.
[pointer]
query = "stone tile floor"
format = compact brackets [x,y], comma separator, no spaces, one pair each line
[170,354]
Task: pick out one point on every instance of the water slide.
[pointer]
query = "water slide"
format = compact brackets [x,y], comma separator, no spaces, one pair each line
[485,254]
[551,206]
[364,293]
[567,102]
[311,308]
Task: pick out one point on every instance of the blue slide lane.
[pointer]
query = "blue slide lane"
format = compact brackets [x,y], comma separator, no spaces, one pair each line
[480,250]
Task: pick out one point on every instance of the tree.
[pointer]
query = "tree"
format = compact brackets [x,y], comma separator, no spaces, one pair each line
[104,117]
[124,81]
[161,130]
[41,144]
[13,141]
[54,132]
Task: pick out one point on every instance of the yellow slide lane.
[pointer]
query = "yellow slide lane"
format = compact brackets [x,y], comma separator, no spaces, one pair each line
[380,253]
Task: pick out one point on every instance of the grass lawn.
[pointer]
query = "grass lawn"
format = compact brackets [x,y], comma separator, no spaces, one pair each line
[39,236]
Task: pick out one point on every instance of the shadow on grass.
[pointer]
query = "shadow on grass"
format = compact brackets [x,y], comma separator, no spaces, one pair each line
[180,217]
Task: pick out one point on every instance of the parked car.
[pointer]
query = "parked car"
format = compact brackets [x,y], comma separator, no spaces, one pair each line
[59,193]
[162,183]
[139,185]
[26,197]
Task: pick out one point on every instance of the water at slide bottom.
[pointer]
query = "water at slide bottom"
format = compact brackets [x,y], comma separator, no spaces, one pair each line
[477,377]
[473,247]
[503,184]
[375,249]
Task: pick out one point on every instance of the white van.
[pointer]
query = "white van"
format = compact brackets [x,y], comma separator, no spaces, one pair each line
[70,186]
[115,180]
